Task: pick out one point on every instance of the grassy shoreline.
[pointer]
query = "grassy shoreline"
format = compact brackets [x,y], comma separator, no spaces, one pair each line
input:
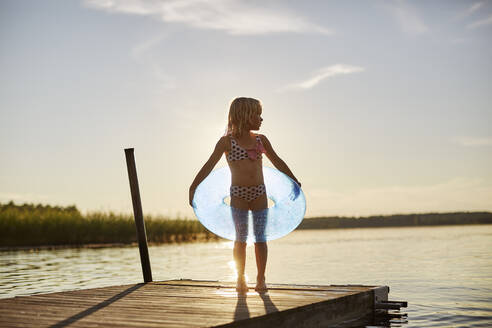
[32,226]
[200,238]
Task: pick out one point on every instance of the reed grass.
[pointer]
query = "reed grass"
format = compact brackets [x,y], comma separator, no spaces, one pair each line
[38,225]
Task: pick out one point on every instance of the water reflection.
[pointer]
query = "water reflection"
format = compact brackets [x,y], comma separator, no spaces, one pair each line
[443,272]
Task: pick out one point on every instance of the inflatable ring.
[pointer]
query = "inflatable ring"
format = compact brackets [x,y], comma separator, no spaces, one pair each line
[277,221]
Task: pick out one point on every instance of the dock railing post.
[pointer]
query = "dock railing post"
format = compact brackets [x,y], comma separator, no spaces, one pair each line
[138,214]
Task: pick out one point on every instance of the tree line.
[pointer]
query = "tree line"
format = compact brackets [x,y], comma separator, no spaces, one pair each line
[397,220]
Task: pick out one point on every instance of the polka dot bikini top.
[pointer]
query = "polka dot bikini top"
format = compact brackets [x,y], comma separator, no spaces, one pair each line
[238,153]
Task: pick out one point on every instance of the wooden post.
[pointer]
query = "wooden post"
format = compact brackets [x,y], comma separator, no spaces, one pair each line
[138,214]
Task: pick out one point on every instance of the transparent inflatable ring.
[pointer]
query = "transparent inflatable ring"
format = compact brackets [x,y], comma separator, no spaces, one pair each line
[257,226]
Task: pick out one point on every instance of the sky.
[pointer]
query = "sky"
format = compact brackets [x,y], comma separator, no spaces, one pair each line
[378,107]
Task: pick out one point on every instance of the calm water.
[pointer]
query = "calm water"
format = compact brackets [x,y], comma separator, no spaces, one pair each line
[445,273]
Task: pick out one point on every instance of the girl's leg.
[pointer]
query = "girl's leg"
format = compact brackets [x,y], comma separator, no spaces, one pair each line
[240,259]
[259,208]
[261,252]
[240,216]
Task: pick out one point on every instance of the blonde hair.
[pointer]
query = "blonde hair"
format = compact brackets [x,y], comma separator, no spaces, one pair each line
[241,112]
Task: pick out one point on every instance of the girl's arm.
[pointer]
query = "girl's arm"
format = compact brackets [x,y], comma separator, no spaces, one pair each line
[277,161]
[220,147]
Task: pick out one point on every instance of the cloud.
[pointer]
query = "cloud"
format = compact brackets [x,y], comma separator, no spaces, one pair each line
[469,10]
[140,50]
[456,194]
[473,141]
[458,40]
[144,55]
[407,18]
[322,74]
[479,23]
[235,17]
[474,7]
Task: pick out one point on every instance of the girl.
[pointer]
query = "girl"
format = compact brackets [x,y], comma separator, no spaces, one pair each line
[243,150]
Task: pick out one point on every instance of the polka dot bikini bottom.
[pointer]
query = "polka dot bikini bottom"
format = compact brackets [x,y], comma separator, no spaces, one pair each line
[248,193]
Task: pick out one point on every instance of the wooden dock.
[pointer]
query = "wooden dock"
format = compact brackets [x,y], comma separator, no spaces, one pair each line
[193,303]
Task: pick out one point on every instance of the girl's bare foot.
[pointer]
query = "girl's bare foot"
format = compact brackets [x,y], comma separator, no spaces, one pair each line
[261,285]
[241,285]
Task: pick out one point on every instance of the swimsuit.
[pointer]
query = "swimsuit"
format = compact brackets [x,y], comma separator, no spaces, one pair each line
[248,193]
[238,153]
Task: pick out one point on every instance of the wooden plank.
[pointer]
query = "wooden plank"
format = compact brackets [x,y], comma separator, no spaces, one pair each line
[189,303]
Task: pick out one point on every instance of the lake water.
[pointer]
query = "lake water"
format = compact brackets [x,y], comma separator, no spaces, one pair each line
[444,272]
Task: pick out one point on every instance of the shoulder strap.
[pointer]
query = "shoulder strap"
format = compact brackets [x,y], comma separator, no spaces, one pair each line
[260,145]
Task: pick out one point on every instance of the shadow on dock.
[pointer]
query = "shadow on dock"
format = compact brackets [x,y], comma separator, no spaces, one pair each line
[267,302]
[242,312]
[96,307]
